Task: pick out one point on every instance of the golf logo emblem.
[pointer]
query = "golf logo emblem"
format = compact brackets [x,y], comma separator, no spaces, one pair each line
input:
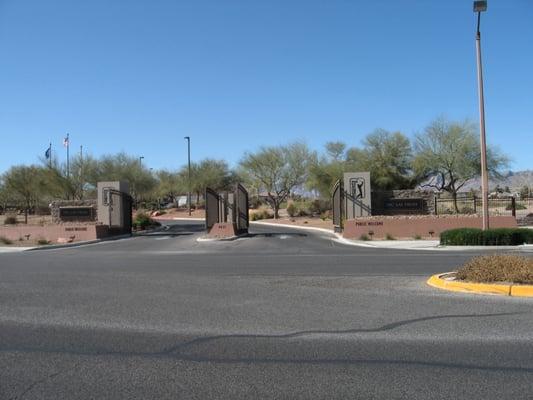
[358,187]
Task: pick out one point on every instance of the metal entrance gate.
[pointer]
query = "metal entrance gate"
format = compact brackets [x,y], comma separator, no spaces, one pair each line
[120,208]
[344,201]
[230,207]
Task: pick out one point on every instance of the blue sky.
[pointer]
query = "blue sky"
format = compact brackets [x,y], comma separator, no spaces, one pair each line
[138,76]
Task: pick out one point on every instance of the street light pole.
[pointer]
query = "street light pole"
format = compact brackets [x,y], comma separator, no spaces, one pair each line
[141,161]
[189,173]
[479,7]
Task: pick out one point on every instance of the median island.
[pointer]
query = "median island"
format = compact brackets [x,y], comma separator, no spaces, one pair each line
[502,274]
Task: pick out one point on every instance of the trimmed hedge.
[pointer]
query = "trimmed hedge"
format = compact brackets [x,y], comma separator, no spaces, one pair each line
[490,237]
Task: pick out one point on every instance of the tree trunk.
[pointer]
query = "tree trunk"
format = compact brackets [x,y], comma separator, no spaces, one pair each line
[26,215]
[454,196]
[276,210]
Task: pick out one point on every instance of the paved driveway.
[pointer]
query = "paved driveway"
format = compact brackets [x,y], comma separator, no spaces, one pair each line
[282,314]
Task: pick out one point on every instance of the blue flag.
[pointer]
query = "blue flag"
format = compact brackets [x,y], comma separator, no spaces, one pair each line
[47,153]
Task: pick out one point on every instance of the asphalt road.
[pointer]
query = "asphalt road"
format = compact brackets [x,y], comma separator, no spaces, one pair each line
[282,314]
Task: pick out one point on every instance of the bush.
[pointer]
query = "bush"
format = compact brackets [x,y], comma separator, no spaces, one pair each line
[319,206]
[292,210]
[43,241]
[417,237]
[142,221]
[5,240]
[261,213]
[490,237]
[364,237]
[388,236]
[10,221]
[497,268]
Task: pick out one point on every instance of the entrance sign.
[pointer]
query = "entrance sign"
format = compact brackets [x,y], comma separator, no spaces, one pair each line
[410,206]
[76,213]
[358,199]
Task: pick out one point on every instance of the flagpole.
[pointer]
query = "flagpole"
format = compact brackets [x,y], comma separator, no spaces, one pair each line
[50,155]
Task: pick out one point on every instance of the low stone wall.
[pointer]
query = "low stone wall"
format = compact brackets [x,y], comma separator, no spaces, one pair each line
[408,227]
[57,204]
[54,233]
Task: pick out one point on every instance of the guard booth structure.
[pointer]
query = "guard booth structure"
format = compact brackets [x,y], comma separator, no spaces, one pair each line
[226,214]
[115,206]
[352,203]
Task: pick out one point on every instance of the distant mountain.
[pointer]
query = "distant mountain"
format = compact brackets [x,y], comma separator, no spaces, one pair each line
[514,179]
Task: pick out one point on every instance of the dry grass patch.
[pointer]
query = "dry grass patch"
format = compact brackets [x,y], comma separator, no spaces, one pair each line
[497,268]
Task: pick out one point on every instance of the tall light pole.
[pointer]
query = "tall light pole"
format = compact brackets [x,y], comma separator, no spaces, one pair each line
[141,161]
[189,173]
[479,7]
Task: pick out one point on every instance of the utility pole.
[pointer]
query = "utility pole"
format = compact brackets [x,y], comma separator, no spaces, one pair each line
[189,173]
[479,7]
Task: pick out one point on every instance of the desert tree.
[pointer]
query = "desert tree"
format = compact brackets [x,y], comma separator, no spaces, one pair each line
[276,171]
[447,156]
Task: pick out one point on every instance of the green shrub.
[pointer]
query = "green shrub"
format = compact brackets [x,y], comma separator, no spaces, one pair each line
[364,237]
[43,242]
[142,221]
[417,237]
[490,237]
[292,210]
[319,206]
[5,240]
[388,236]
[10,220]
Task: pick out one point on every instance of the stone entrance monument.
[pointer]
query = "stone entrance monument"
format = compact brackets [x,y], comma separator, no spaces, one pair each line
[114,205]
[358,195]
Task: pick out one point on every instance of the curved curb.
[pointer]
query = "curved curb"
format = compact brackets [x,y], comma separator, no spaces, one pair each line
[439,281]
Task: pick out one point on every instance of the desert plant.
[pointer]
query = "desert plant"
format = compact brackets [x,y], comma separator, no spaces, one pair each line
[364,237]
[42,241]
[417,237]
[5,240]
[261,213]
[388,236]
[10,220]
[497,268]
[142,220]
[292,210]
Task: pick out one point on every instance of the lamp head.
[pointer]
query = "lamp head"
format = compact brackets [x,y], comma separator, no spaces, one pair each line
[480,5]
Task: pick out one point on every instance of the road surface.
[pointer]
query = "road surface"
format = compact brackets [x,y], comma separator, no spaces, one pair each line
[282,314]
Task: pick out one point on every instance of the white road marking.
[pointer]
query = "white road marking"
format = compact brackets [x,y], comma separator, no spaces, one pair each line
[162,238]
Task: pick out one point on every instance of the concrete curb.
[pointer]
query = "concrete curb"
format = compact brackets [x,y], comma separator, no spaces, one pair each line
[77,244]
[309,228]
[228,239]
[440,281]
